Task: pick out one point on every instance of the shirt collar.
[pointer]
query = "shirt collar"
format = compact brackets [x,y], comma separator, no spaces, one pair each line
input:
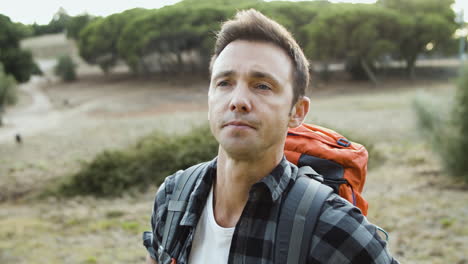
[276,182]
[279,178]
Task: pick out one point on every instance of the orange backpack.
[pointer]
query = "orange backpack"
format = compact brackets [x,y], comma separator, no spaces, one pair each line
[342,163]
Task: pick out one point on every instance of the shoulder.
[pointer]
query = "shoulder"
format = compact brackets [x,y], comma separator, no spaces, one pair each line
[168,187]
[163,195]
[151,240]
[344,235]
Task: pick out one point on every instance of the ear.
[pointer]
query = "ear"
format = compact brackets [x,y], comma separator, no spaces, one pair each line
[299,112]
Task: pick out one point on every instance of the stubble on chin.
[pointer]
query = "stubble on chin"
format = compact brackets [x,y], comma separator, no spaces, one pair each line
[240,153]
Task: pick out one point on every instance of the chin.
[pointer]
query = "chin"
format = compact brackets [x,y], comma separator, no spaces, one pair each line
[240,151]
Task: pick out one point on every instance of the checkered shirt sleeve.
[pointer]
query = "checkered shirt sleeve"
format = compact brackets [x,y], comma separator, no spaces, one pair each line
[343,235]
[159,213]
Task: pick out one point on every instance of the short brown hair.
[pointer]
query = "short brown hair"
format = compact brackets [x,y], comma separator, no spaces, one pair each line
[253,25]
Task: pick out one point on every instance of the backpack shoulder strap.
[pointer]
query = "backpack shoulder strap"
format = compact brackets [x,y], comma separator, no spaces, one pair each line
[298,217]
[176,207]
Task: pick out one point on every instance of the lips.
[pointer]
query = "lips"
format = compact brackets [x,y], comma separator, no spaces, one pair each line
[238,124]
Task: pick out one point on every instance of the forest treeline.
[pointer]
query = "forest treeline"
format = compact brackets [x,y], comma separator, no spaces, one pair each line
[179,38]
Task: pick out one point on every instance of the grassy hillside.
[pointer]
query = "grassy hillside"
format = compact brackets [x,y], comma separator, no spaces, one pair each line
[409,194]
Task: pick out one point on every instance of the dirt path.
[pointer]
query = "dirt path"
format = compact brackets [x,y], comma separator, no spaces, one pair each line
[40,115]
[36,117]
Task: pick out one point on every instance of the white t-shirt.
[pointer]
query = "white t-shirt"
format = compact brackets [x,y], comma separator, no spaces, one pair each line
[211,242]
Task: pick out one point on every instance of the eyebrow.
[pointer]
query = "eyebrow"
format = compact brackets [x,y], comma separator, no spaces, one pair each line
[223,74]
[252,74]
[263,75]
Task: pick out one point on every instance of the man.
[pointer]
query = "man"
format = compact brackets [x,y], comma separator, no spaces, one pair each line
[258,79]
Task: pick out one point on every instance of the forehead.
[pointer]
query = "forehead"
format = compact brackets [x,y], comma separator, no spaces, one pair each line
[243,56]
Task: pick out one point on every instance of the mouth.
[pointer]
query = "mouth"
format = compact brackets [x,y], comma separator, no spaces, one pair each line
[238,124]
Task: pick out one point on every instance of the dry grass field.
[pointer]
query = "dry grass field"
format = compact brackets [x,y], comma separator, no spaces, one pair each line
[410,195]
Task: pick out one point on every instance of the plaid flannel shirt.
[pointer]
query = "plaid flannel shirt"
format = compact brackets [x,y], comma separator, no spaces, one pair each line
[342,235]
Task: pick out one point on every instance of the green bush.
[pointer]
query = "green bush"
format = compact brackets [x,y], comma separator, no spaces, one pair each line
[430,114]
[447,130]
[7,90]
[459,147]
[65,68]
[151,160]
[146,163]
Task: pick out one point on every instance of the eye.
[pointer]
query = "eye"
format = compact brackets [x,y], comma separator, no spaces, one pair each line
[222,83]
[263,86]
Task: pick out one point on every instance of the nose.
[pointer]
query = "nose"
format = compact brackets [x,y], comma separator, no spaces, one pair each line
[240,101]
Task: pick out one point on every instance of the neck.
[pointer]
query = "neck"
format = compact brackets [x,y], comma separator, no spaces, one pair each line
[234,180]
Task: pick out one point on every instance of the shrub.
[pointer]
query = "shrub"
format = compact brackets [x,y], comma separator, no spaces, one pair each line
[7,90]
[148,162]
[459,146]
[430,114]
[446,130]
[65,68]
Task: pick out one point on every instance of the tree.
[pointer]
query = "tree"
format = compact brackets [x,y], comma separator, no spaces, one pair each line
[7,91]
[169,33]
[200,4]
[293,15]
[16,61]
[56,25]
[25,31]
[429,21]
[359,34]
[76,24]
[98,40]
[59,21]
[440,7]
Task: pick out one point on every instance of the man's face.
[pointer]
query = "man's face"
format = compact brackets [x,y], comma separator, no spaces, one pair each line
[250,98]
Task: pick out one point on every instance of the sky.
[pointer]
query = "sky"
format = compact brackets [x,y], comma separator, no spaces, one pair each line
[42,11]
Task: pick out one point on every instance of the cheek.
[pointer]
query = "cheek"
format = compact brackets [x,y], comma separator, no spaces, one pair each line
[211,114]
[277,119]
[212,121]
[211,107]
[215,115]
[283,110]
[217,105]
